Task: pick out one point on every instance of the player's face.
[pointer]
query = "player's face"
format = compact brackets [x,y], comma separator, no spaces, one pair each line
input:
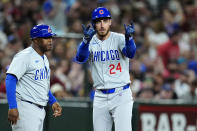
[45,44]
[103,26]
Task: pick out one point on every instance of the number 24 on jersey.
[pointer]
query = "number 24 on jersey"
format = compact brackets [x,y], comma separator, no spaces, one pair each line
[114,69]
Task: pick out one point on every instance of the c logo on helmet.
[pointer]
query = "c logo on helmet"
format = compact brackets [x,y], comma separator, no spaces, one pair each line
[101,12]
[49,30]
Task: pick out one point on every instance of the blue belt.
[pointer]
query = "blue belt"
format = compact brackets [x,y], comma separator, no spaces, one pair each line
[109,91]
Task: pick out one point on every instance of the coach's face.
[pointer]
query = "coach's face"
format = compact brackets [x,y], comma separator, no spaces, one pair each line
[103,26]
[45,44]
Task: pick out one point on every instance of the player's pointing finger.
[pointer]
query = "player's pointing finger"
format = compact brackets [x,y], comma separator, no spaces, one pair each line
[84,27]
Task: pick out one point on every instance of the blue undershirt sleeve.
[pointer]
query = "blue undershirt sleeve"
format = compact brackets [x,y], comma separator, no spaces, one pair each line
[82,53]
[51,98]
[129,49]
[11,81]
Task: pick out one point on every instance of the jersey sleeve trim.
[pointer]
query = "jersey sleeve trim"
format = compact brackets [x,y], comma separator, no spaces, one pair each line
[129,49]
[11,81]
[51,98]
[12,74]
[82,53]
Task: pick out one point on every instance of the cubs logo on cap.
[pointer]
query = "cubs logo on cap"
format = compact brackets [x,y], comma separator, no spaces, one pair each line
[100,12]
[49,29]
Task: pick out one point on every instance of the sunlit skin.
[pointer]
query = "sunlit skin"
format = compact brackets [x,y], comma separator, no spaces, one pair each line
[102,28]
[42,45]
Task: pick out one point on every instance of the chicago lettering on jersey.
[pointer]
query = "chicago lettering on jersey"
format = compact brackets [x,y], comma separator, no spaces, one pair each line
[42,73]
[105,55]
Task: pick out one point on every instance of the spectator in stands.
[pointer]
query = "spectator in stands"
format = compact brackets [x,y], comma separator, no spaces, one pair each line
[71,46]
[55,16]
[171,70]
[167,92]
[156,36]
[3,40]
[59,51]
[76,77]
[158,82]
[170,49]
[58,91]
[146,94]
[181,86]
[2,87]
[61,73]
[192,94]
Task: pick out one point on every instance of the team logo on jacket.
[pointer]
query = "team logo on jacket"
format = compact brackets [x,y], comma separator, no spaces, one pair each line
[105,55]
[42,73]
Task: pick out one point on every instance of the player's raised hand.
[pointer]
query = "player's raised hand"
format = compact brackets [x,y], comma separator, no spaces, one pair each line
[88,33]
[129,30]
[57,109]
[13,116]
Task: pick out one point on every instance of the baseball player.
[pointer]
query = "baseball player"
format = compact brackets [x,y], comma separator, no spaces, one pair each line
[27,83]
[108,53]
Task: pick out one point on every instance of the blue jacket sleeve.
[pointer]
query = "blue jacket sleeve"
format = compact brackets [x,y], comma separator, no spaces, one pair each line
[51,98]
[11,81]
[129,49]
[82,53]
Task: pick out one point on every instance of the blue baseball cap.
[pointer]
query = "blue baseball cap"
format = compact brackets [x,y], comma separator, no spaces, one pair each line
[100,12]
[41,31]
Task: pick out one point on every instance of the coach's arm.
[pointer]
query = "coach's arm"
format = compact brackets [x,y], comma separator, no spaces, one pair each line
[57,109]
[13,114]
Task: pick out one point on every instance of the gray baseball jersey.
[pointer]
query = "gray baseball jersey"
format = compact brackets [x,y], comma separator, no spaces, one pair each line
[109,67]
[33,74]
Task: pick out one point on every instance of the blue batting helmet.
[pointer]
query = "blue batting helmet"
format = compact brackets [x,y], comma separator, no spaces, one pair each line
[100,12]
[41,31]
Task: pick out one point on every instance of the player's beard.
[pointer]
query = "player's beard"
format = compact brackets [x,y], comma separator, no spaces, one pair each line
[103,34]
[45,48]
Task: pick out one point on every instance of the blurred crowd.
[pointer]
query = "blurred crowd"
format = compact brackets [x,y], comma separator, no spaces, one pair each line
[165,64]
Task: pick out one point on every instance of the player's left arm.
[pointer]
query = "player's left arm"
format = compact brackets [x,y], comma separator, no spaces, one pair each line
[130,47]
[57,109]
[13,114]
